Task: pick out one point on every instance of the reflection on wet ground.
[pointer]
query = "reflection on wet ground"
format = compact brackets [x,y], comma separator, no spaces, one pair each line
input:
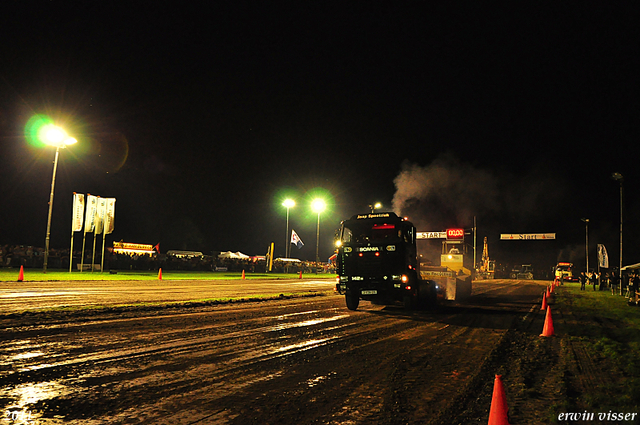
[42,374]
[216,364]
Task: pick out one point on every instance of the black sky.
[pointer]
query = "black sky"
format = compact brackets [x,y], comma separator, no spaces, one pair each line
[198,118]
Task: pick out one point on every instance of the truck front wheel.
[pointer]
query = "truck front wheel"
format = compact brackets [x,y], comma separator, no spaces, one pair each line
[352,301]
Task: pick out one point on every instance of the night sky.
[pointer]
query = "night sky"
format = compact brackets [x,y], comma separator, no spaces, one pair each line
[199,120]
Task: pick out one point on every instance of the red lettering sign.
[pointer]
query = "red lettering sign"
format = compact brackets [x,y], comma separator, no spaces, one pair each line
[455,233]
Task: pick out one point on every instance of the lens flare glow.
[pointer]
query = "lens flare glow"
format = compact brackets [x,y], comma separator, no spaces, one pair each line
[34,129]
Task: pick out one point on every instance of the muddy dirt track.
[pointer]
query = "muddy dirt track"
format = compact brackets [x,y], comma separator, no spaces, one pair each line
[303,360]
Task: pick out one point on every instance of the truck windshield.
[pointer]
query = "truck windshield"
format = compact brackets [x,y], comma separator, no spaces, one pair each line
[367,232]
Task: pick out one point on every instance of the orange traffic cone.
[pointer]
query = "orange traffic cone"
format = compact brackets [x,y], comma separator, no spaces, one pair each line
[547,330]
[544,301]
[160,273]
[552,286]
[548,293]
[300,277]
[243,274]
[498,411]
[21,274]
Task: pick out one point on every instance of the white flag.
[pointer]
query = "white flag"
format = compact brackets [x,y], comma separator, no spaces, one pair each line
[90,216]
[295,239]
[101,210]
[603,258]
[110,216]
[78,212]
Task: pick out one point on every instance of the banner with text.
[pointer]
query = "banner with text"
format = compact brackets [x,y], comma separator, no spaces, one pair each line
[101,210]
[90,216]
[78,212]
[431,235]
[603,257]
[526,236]
[110,215]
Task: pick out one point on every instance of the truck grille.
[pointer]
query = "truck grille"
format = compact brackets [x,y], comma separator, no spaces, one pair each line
[369,267]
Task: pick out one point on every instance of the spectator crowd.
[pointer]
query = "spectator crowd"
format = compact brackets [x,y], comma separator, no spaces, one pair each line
[15,256]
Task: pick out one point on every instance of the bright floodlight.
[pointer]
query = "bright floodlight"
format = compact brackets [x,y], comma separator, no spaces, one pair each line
[318,205]
[289,203]
[55,136]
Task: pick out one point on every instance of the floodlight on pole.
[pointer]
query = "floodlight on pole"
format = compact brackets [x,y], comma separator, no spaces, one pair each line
[375,206]
[288,203]
[586,245]
[53,136]
[318,205]
[618,177]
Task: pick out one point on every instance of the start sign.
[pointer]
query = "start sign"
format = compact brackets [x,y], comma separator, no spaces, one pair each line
[455,233]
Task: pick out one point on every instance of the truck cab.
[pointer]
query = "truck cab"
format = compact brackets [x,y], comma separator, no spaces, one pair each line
[377,261]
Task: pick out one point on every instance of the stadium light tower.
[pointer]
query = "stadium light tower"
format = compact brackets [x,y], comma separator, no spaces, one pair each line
[318,206]
[288,203]
[53,136]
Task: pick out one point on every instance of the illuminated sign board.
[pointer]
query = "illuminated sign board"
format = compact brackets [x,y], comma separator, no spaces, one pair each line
[132,246]
[379,215]
[526,236]
[455,233]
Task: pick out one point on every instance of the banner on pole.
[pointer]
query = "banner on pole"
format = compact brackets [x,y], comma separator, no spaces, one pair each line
[90,216]
[603,257]
[78,212]
[101,210]
[110,215]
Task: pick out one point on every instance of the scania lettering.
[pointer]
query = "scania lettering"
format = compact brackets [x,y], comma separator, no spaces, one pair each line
[377,261]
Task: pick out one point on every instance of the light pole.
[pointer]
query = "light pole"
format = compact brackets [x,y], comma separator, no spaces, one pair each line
[54,136]
[375,206]
[618,177]
[318,205]
[586,245]
[288,203]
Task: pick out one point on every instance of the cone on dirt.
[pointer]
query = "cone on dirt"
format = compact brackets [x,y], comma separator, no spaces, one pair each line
[21,274]
[548,293]
[300,277]
[498,411]
[243,274]
[160,273]
[547,330]
[552,289]
[544,301]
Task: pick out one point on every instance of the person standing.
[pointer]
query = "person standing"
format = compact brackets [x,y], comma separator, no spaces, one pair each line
[614,281]
[583,281]
[635,286]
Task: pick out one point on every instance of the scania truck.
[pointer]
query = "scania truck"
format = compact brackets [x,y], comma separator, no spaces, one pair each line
[377,261]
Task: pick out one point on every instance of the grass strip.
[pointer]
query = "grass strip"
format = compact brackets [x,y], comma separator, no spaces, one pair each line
[610,330]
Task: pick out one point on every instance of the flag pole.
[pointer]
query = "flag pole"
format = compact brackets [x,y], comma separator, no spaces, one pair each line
[84,239]
[93,254]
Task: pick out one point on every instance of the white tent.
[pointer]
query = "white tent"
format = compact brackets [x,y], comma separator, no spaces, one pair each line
[230,254]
